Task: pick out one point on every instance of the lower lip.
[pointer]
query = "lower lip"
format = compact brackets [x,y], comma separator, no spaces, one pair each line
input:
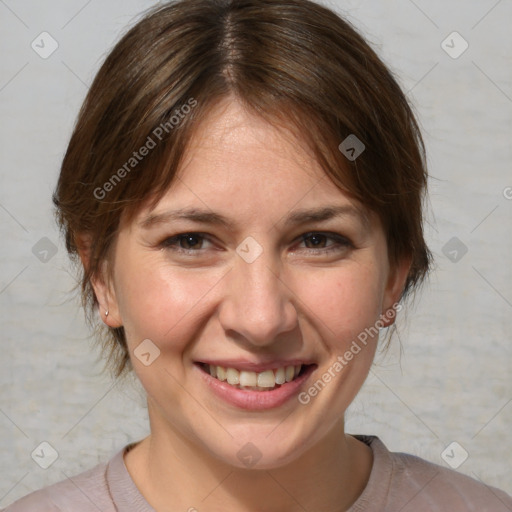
[255,400]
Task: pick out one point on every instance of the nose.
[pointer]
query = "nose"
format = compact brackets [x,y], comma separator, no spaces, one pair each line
[256,303]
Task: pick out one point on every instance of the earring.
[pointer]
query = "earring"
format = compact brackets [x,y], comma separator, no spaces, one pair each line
[106,312]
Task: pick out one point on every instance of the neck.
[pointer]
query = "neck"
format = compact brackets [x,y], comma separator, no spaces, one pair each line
[173,473]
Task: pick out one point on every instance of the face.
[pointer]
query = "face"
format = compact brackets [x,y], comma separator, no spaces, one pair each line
[253,269]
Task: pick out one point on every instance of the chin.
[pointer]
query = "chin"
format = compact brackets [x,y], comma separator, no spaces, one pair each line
[262,446]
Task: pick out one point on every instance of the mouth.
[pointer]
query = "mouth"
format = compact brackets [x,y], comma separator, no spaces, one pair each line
[266,380]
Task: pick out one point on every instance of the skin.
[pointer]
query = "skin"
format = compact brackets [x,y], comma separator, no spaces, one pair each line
[294,301]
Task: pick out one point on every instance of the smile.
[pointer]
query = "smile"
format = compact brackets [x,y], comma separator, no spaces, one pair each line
[254,381]
[255,386]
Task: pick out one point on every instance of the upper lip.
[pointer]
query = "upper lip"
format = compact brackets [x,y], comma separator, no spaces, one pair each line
[255,366]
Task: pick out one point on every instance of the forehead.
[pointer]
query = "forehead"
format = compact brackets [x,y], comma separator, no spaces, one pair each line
[230,140]
[247,170]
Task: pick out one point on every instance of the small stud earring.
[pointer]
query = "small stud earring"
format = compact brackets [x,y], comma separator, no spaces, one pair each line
[106,312]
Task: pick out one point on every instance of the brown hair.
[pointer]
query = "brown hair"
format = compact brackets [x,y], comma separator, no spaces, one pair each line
[295,63]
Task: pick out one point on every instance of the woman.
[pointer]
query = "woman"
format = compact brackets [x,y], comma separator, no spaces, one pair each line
[244,190]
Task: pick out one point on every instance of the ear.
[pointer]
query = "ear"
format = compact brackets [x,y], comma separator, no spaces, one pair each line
[394,287]
[102,285]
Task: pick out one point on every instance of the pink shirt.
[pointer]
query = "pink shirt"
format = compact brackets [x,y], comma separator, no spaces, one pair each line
[398,482]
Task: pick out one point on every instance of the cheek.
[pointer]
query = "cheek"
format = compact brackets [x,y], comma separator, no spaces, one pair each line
[344,301]
[161,302]
[346,304]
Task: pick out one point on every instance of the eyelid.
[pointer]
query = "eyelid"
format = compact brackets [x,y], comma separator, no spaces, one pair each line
[340,241]
[166,242]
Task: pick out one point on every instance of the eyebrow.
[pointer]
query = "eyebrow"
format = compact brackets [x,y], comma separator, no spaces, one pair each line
[302,216]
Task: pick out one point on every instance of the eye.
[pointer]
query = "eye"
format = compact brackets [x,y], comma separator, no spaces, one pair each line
[184,242]
[318,242]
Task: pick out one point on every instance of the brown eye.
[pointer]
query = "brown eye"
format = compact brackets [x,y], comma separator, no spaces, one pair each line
[326,242]
[317,241]
[185,242]
[190,241]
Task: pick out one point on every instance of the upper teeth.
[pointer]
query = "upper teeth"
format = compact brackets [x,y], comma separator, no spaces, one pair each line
[246,379]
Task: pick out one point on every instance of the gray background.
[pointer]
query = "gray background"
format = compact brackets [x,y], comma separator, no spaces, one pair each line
[452,380]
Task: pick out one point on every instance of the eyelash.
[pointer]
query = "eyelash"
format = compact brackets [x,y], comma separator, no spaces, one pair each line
[341,242]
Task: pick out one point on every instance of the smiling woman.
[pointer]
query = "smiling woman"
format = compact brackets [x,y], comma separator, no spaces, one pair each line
[246,265]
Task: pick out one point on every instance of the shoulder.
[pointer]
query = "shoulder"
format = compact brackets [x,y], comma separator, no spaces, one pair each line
[415,484]
[436,485]
[84,492]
